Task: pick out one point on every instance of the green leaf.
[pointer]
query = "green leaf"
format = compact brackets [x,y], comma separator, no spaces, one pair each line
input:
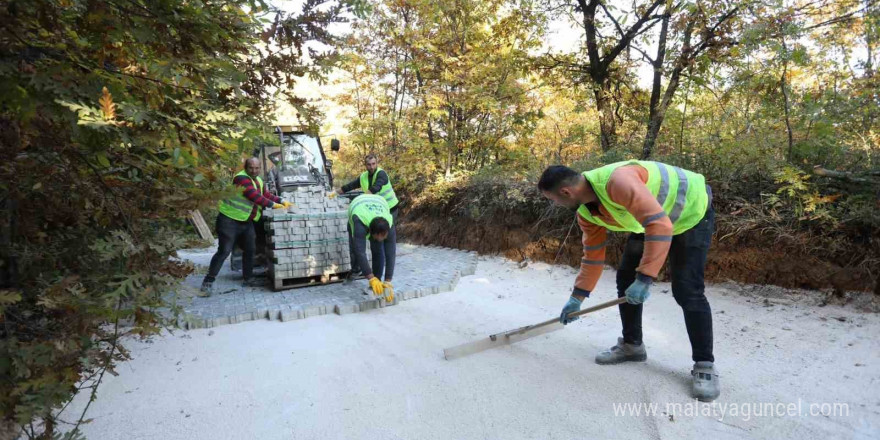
[8,297]
[102,159]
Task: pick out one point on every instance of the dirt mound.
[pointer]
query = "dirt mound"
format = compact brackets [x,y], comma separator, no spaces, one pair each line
[517,223]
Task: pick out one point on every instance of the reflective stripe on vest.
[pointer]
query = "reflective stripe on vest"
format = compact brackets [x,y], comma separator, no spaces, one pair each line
[387,192]
[239,207]
[685,209]
[367,207]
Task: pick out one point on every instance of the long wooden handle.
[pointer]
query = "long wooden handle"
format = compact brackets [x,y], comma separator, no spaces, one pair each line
[600,306]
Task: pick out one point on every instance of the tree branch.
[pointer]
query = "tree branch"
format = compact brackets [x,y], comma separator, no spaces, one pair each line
[644,54]
[630,34]
[819,170]
[613,20]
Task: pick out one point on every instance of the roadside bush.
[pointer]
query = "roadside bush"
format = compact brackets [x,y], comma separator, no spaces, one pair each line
[764,205]
[115,120]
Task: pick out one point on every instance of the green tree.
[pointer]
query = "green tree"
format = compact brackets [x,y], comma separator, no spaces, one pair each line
[117,117]
[447,81]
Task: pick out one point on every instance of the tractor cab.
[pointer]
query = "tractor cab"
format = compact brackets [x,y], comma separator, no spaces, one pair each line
[297,160]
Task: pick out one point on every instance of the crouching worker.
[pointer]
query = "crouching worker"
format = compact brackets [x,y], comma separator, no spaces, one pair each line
[668,212]
[369,218]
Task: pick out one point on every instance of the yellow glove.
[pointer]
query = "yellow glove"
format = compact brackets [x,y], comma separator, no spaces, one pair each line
[332,195]
[277,206]
[389,291]
[377,286]
[286,204]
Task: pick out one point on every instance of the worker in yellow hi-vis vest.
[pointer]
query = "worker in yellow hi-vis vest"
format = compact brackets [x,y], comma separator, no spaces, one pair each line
[236,219]
[668,212]
[375,181]
[370,219]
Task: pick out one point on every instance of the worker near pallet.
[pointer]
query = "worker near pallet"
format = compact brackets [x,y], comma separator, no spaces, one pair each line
[374,180]
[369,218]
[668,212]
[235,220]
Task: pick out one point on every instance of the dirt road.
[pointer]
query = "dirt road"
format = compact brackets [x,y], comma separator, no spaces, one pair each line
[381,374]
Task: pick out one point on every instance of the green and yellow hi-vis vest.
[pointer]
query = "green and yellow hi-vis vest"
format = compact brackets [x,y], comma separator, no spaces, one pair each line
[239,207]
[387,192]
[680,192]
[367,207]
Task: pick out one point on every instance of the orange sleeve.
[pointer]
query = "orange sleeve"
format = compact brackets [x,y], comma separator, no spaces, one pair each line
[594,256]
[626,187]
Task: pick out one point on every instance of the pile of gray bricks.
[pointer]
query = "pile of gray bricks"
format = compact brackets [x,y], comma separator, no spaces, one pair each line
[308,240]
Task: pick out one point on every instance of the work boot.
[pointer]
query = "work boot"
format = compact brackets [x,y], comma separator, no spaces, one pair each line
[251,282]
[352,276]
[206,290]
[706,386]
[622,352]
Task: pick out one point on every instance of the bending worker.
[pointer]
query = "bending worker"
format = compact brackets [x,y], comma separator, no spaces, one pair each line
[374,181]
[370,219]
[668,211]
[236,219]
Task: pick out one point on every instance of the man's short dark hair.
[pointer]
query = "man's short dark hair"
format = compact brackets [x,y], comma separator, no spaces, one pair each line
[379,226]
[557,176]
[370,156]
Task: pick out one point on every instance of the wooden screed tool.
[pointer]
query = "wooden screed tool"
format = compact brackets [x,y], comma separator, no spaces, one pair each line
[511,336]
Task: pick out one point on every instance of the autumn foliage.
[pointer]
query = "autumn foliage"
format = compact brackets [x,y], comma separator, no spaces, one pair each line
[116,118]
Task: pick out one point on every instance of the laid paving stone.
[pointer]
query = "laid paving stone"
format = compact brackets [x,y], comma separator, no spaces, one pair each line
[345,308]
[420,271]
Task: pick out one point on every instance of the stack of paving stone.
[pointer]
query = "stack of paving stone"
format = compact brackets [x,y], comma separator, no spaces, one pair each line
[308,242]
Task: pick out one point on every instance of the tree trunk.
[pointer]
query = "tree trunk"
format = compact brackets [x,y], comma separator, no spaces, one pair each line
[607,121]
[687,91]
[397,81]
[599,66]
[430,126]
[654,122]
[783,85]
[870,24]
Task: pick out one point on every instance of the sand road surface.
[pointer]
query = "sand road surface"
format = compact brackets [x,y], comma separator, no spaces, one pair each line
[789,370]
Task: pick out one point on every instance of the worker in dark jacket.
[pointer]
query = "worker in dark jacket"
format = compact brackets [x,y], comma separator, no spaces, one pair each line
[374,181]
[236,219]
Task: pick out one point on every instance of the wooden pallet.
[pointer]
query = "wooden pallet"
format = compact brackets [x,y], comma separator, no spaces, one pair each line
[293,283]
[195,216]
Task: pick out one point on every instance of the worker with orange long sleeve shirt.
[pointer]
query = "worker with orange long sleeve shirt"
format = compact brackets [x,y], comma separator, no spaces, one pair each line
[668,211]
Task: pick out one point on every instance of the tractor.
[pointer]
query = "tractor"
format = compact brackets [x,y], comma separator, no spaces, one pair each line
[297,169]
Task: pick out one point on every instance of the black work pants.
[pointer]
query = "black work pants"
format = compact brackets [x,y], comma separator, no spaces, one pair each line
[384,254]
[229,231]
[687,263]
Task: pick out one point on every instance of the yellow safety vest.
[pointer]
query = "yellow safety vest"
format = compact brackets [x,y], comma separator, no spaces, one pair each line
[239,207]
[387,192]
[680,192]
